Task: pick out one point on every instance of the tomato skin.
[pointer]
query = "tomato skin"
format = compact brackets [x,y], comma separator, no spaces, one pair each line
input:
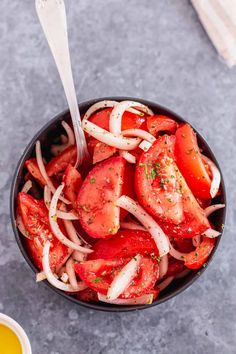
[158,123]
[87,295]
[189,161]
[60,162]
[32,167]
[175,267]
[73,182]
[126,243]
[35,219]
[184,245]
[197,258]
[95,202]
[102,152]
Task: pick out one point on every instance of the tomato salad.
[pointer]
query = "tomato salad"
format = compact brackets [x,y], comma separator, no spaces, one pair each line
[135,221]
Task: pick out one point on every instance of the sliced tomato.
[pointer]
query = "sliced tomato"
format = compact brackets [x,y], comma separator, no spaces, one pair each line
[128,186]
[35,219]
[73,182]
[197,258]
[96,199]
[129,120]
[32,167]
[124,244]
[174,267]
[156,183]
[184,245]
[189,161]
[98,275]
[60,162]
[87,295]
[159,123]
[102,152]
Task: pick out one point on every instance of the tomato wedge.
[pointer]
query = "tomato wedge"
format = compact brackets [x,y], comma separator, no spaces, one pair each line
[126,243]
[197,258]
[60,162]
[156,184]
[35,219]
[158,123]
[73,182]
[189,161]
[98,275]
[102,152]
[95,203]
[32,167]
[174,267]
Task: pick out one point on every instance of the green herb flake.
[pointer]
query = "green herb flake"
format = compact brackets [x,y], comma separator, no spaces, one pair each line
[97,280]
[92,180]
[54,217]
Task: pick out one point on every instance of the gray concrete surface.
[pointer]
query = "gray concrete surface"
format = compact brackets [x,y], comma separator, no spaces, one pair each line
[151,49]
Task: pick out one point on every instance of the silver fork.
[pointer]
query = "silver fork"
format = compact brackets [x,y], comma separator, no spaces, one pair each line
[52,16]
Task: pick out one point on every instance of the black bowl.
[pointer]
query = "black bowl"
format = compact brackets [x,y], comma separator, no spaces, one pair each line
[53,129]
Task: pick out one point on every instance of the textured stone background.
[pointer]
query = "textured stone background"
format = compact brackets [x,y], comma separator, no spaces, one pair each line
[151,49]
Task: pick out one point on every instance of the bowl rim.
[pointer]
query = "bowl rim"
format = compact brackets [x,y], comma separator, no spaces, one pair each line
[100,306]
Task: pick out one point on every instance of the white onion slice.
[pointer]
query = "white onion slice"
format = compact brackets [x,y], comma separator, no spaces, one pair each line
[209,210]
[66,215]
[196,240]
[40,277]
[27,186]
[64,277]
[145,145]
[21,226]
[70,140]
[146,299]
[183,274]
[148,222]
[71,231]
[71,273]
[50,276]
[163,266]
[127,156]
[131,226]
[79,256]
[176,254]
[216,178]
[55,227]
[139,133]
[123,279]
[211,233]
[47,196]
[117,141]
[106,104]
[165,283]
[118,111]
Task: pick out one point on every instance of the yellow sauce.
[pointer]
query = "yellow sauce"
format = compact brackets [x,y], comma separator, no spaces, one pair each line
[9,342]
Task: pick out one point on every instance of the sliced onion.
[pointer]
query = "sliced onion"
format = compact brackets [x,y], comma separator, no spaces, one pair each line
[148,222]
[71,273]
[139,133]
[47,196]
[27,186]
[64,277]
[108,138]
[165,283]
[79,256]
[131,226]
[216,178]
[163,266]
[66,215]
[123,279]
[176,254]
[63,262]
[145,145]
[50,276]
[127,156]
[21,226]
[118,111]
[209,210]
[211,233]
[55,227]
[196,240]
[56,149]
[146,299]
[40,277]
[71,231]
[106,104]
[183,274]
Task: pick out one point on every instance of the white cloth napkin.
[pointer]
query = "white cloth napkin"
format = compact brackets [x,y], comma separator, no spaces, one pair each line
[219,20]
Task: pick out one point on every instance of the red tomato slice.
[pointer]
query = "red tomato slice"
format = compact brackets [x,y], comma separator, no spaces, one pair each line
[128,186]
[129,120]
[158,123]
[197,258]
[189,161]
[35,219]
[174,267]
[184,245]
[98,275]
[87,295]
[73,182]
[99,216]
[33,169]
[156,184]
[60,162]
[126,243]
[102,152]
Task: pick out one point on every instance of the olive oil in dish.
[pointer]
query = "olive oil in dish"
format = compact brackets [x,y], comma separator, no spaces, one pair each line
[9,341]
